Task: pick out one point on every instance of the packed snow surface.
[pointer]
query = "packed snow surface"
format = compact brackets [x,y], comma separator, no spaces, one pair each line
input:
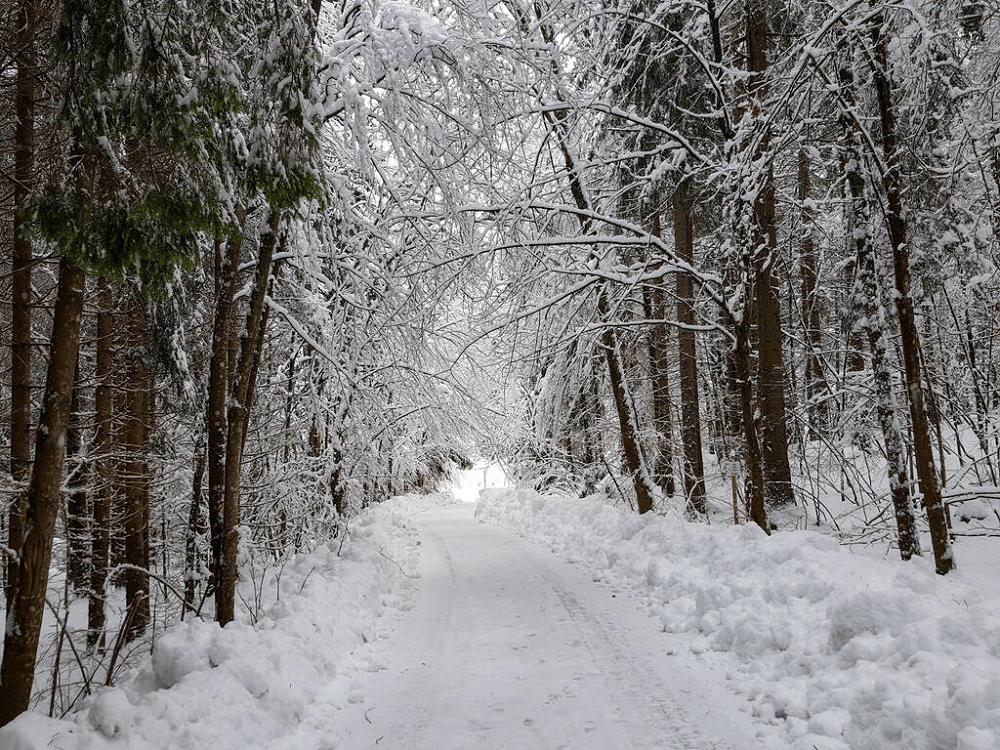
[509,647]
[558,622]
[840,650]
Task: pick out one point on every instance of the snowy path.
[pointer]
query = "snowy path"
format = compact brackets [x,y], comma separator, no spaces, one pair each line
[507,647]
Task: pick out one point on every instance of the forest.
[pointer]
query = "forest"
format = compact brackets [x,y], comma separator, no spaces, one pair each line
[267,264]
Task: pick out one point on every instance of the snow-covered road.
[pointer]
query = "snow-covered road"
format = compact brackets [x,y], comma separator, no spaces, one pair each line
[716,636]
[506,646]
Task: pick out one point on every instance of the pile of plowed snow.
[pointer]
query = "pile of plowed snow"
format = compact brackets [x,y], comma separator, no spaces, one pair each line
[248,684]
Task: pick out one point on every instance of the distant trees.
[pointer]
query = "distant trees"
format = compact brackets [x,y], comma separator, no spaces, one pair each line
[777,144]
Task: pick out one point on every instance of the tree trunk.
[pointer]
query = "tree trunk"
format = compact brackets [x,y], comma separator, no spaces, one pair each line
[659,366]
[27,604]
[930,488]
[238,414]
[118,463]
[289,405]
[867,300]
[136,521]
[980,421]
[687,357]
[102,459]
[808,276]
[754,485]
[770,366]
[218,391]
[20,376]
[195,528]
[77,512]
[627,420]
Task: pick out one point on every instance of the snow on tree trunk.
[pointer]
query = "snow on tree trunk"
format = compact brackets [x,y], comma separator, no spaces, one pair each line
[930,488]
[867,300]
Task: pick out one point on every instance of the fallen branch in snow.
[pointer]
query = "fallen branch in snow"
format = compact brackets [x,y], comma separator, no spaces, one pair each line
[120,640]
[408,575]
[344,533]
[306,579]
[167,585]
[61,621]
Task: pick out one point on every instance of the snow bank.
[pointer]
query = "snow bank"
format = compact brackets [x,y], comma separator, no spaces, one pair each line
[846,650]
[246,685]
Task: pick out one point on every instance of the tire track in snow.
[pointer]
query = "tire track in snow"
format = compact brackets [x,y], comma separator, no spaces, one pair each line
[642,700]
[509,648]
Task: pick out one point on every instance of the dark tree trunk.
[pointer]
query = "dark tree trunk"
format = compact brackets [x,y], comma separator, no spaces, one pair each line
[930,488]
[77,512]
[218,391]
[631,447]
[20,376]
[627,418]
[195,528]
[687,357]
[27,603]
[238,414]
[102,459]
[815,385]
[980,422]
[136,521]
[770,365]
[867,298]
[289,404]
[754,485]
[659,366]
[118,463]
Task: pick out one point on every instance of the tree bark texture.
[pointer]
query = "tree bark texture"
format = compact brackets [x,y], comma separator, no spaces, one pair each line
[659,366]
[195,528]
[867,299]
[687,356]
[136,521]
[24,617]
[754,484]
[20,377]
[627,420]
[119,434]
[770,366]
[238,413]
[77,511]
[815,385]
[930,488]
[218,391]
[101,455]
